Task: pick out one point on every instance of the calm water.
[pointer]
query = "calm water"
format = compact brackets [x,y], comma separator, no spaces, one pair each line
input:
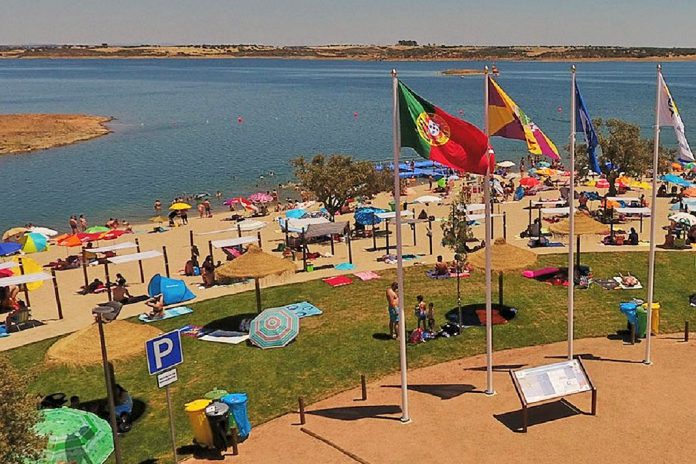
[177,127]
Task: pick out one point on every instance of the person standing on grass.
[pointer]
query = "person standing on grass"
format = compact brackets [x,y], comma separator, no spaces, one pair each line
[393,305]
[431,316]
[420,311]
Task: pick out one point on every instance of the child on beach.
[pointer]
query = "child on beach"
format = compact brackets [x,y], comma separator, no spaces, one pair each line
[431,316]
[420,311]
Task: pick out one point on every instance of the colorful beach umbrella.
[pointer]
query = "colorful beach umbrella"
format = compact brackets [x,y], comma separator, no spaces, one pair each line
[93,237]
[529,182]
[95,229]
[260,197]
[70,241]
[368,216]
[683,218]
[30,267]
[44,231]
[274,328]
[179,206]
[9,248]
[113,234]
[14,234]
[34,243]
[74,436]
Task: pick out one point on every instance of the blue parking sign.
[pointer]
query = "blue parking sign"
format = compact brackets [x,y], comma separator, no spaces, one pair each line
[164,352]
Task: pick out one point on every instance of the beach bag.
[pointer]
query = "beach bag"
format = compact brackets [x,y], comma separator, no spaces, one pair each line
[450,329]
[417,336]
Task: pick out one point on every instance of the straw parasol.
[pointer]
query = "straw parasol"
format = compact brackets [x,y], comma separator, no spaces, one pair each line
[255,264]
[584,225]
[504,258]
[126,340]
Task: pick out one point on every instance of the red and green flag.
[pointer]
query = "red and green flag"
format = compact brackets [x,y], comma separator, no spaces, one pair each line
[439,136]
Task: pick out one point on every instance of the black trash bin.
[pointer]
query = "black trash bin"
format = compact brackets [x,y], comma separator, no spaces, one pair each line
[218,415]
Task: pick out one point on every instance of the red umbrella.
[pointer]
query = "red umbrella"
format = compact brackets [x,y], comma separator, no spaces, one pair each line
[112,234]
[70,241]
[602,184]
[529,182]
[84,238]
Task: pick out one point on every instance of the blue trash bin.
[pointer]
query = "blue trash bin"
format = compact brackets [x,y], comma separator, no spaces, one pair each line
[238,407]
[629,310]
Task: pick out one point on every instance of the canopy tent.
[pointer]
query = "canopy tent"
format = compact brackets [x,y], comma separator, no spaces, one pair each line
[8,265]
[255,264]
[389,216]
[173,291]
[232,242]
[299,225]
[326,229]
[139,257]
[24,279]
[120,246]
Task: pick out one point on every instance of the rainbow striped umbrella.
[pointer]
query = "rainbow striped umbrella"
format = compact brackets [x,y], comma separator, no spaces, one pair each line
[74,436]
[34,243]
[274,328]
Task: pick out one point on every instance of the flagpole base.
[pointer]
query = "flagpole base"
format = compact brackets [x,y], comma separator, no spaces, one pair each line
[647,362]
[405,420]
[489,393]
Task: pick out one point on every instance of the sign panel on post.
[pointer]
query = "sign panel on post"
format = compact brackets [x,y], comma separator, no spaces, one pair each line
[552,381]
[164,352]
[166,378]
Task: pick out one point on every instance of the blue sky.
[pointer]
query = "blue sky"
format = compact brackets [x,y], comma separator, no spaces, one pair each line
[307,22]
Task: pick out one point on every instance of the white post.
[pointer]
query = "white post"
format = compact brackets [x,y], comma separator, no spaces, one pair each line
[571,211]
[489,243]
[653,218]
[399,258]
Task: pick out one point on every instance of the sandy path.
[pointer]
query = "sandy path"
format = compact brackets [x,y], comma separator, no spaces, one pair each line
[77,308]
[645,414]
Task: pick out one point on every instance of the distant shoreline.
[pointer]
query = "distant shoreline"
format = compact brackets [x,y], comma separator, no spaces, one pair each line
[369,53]
[26,133]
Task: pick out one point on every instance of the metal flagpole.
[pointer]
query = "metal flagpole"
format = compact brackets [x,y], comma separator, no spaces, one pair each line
[653,215]
[571,222]
[489,240]
[399,258]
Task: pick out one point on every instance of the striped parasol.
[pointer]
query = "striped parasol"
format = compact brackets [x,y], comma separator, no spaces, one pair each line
[274,328]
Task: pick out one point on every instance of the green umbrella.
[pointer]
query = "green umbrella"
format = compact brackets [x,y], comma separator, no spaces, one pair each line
[74,436]
[95,229]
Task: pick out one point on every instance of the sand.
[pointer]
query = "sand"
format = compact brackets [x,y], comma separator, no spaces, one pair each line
[21,133]
[644,414]
[77,308]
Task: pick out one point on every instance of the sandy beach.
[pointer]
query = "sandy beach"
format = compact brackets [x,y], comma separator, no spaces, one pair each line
[21,133]
[77,307]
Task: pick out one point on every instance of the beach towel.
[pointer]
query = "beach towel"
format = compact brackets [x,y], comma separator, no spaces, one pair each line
[535,273]
[302,309]
[3,331]
[168,314]
[366,275]
[432,273]
[496,318]
[191,330]
[344,267]
[606,284]
[618,280]
[225,336]
[338,281]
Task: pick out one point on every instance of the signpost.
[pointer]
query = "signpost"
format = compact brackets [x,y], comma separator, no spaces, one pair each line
[163,354]
[552,381]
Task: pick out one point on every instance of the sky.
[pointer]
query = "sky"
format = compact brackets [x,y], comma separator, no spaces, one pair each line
[383,22]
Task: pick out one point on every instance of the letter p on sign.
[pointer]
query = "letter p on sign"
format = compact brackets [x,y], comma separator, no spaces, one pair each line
[164,352]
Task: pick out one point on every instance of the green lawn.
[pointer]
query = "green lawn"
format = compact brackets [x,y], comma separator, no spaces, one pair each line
[334,349]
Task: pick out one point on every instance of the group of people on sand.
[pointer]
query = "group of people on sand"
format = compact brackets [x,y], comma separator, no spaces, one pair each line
[77,224]
[10,304]
[424,312]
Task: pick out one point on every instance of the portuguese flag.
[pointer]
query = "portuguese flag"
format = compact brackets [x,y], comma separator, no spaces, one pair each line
[440,137]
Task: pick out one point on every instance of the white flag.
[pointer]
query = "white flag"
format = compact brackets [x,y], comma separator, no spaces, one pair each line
[669,116]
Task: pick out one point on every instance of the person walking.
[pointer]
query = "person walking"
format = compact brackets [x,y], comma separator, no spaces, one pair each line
[73,224]
[83,222]
[393,307]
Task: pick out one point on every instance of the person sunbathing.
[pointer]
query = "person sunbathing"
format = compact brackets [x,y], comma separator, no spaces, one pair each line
[632,237]
[121,294]
[441,267]
[157,305]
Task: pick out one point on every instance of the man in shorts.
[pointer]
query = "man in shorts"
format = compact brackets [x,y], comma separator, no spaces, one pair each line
[393,305]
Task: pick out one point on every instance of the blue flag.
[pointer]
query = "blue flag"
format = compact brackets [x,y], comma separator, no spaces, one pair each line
[583,123]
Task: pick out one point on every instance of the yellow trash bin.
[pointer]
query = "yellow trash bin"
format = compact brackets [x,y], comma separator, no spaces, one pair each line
[655,318]
[195,410]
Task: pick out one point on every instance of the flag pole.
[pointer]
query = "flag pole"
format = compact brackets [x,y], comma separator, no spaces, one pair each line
[399,257]
[653,221]
[571,222]
[489,240]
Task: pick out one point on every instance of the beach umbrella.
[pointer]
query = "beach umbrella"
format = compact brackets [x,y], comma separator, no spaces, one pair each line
[93,237]
[255,264]
[95,229]
[274,328]
[689,192]
[260,197]
[9,248]
[179,206]
[506,164]
[584,225]
[442,182]
[368,216]
[677,180]
[425,199]
[30,267]
[70,241]
[602,184]
[44,231]
[34,243]
[158,219]
[14,234]
[504,258]
[74,436]
[683,218]
[529,182]
[113,234]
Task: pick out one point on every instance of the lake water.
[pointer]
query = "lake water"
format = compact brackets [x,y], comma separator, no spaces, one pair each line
[203,125]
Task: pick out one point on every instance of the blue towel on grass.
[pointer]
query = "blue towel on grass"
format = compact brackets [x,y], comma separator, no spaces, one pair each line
[344,267]
[302,309]
[168,314]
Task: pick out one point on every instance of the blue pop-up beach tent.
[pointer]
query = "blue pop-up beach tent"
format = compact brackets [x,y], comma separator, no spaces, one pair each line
[174,291]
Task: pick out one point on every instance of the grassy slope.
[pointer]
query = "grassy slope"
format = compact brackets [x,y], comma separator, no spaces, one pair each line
[334,349]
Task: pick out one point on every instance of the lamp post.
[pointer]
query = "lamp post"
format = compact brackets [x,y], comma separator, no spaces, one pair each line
[99,312]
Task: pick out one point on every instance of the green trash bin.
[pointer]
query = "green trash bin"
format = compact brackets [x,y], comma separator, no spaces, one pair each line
[642,318]
[215,394]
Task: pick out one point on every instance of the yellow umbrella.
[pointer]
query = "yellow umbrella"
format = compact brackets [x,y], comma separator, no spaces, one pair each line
[255,264]
[179,206]
[30,267]
[14,234]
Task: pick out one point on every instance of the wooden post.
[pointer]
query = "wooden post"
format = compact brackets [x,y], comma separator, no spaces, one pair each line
[84,267]
[374,237]
[257,289]
[140,261]
[500,288]
[300,400]
[235,442]
[350,249]
[577,257]
[331,239]
[190,237]
[363,387]
[55,291]
[530,213]
[166,260]
[633,334]
[24,286]
[414,225]
[287,238]
[505,225]
[304,251]
[386,227]
[641,223]
[210,249]
[430,235]
[686,331]
[258,237]
[108,279]
[239,232]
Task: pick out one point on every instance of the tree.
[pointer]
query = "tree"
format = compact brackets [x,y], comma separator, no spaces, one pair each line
[455,230]
[336,178]
[623,150]
[18,415]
